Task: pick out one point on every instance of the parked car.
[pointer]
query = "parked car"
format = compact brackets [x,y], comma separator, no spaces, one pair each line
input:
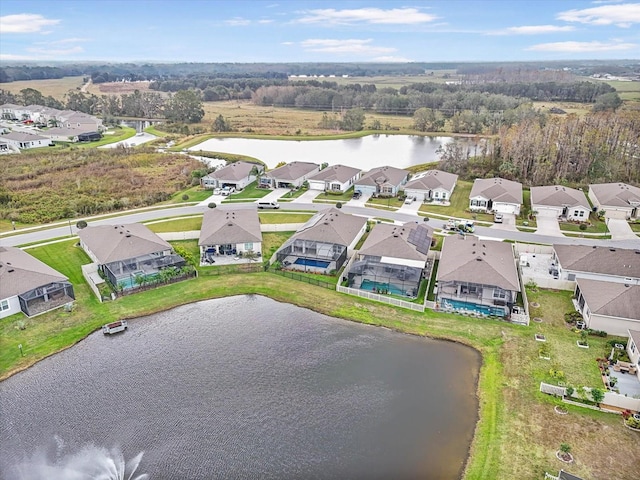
[408,200]
[498,217]
[357,194]
[216,191]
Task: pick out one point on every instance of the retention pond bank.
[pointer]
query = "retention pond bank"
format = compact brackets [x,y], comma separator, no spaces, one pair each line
[245,387]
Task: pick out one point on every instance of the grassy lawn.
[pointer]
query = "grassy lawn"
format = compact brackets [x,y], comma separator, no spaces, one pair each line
[251,191]
[635,226]
[389,202]
[283,217]
[336,197]
[597,226]
[518,432]
[291,194]
[178,225]
[194,194]
[459,205]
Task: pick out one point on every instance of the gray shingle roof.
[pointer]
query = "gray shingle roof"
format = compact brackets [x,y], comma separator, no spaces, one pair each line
[23,137]
[292,171]
[331,226]
[387,240]
[230,226]
[485,262]
[338,173]
[497,190]
[432,179]
[110,243]
[611,298]
[234,171]
[635,336]
[383,175]
[616,194]
[603,260]
[20,272]
[559,196]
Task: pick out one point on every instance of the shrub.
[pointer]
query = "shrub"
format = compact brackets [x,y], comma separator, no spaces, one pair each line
[565,448]
[569,391]
[583,226]
[339,205]
[185,197]
[633,422]
[572,317]
[81,224]
[597,333]
[212,205]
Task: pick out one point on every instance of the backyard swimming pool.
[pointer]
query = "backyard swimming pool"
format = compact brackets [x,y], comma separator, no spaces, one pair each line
[309,262]
[484,309]
[382,287]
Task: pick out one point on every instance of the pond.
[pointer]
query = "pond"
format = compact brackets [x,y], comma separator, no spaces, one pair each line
[245,387]
[365,153]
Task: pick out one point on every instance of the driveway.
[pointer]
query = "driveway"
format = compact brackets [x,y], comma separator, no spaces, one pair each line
[360,202]
[508,223]
[274,195]
[412,207]
[620,229]
[308,196]
[138,139]
[548,225]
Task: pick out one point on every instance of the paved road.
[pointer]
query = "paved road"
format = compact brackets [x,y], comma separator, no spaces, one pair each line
[65,229]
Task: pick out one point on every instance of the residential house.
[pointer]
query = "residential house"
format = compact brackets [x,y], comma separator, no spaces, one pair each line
[432,185]
[558,201]
[476,275]
[229,233]
[23,140]
[291,175]
[27,285]
[609,306]
[633,349]
[11,111]
[324,243]
[618,200]
[64,134]
[128,255]
[382,181]
[607,264]
[236,174]
[392,259]
[495,195]
[335,178]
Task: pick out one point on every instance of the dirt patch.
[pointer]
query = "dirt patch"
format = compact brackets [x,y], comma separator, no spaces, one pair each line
[118,88]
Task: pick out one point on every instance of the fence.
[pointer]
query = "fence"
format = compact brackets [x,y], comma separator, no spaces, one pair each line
[611,399]
[304,278]
[89,272]
[551,283]
[381,298]
[233,268]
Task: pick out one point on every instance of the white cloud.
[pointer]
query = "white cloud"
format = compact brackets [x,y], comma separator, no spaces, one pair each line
[238,22]
[265,22]
[394,16]
[391,58]
[351,46]
[582,47]
[287,43]
[64,41]
[25,23]
[10,57]
[48,52]
[623,15]
[533,30]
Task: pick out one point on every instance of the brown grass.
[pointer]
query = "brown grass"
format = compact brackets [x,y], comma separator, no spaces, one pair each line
[56,87]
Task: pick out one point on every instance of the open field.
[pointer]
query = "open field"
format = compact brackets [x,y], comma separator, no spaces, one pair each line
[57,87]
[518,432]
[395,81]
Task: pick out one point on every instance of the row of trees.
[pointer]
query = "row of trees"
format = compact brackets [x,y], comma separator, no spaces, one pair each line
[600,147]
[184,106]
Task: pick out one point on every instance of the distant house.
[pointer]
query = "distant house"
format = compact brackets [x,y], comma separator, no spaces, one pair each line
[89,136]
[11,111]
[229,232]
[23,141]
[382,181]
[335,178]
[560,202]
[607,264]
[609,306]
[432,185]
[495,195]
[324,243]
[291,175]
[633,349]
[618,200]
[477,275]
[128,255]
[392,259]
[27,285]
[236,174]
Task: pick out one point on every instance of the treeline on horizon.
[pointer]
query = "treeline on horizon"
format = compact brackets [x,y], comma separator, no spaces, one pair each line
[106,72]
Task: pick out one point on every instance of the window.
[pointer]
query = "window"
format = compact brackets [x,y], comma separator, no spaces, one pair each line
[633,347]
[248,246]
[4,305]
[581,214]
[444,195]
[436,195]
[499,293]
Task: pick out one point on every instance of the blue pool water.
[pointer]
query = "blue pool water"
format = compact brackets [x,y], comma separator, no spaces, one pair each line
[389,287]
[309,262]
[130,281]
[499,311]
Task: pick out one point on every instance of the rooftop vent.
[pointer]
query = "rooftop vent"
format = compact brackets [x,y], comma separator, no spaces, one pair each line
[128,235]
[10,270]
[612,249]
[478,259]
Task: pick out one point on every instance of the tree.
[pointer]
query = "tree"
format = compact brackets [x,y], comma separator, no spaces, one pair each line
[353,120]
[221,125]
[185,106]
[607,101]
[597,395]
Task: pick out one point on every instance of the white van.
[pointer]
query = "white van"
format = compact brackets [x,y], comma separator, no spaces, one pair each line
[266,204]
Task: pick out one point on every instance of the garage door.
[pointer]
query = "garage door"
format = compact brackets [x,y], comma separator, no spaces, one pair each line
[619,214]
[547,212]
[504,208]
[366,190]
[417,194]
[316,185]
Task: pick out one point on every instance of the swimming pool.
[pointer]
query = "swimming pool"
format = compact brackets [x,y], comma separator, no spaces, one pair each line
[382,287]
[484,309]
[310,262]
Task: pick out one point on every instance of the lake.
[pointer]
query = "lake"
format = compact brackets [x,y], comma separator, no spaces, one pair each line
[365,152]
[243,387]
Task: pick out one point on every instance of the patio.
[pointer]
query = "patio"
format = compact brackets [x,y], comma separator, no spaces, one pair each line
[628,383]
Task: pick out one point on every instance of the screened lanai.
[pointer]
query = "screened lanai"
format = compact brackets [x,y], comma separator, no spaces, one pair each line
[129,273]
[46,297]
[311,255]
[376,274]
[456,295]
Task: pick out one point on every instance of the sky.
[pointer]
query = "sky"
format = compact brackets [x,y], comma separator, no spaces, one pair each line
[247,31]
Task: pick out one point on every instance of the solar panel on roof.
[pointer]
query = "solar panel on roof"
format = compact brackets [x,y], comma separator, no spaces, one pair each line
[419,237]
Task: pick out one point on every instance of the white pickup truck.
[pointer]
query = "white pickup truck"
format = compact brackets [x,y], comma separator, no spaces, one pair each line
[115,327]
